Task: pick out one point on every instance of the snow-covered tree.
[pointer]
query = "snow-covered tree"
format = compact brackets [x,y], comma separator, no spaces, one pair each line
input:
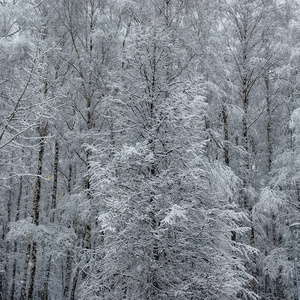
[164,233]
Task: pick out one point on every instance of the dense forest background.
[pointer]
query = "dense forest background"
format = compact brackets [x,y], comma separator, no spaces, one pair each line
[149,149]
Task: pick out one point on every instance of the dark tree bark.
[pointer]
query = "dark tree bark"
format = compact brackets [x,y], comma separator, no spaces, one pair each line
[43,131]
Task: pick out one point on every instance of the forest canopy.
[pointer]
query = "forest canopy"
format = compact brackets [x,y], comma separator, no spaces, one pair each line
[149,149]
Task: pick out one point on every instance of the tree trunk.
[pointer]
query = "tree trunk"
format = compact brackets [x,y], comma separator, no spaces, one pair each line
[226,134]
[37,191]
[14,268]
[26,269]
[68,275]
[55,177]
[52,215]
[43,131]
[269,123]
[74,284]
[47,277]
[70,176]
[33,270]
